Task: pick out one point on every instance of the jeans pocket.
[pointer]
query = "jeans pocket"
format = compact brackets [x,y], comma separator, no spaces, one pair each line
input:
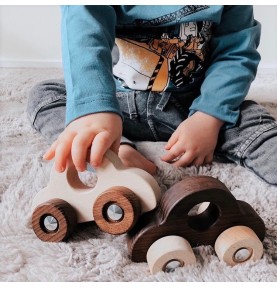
[43,105]
[255,139]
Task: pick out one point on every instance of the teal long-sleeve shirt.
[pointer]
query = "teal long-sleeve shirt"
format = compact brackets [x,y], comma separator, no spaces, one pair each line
[161,48]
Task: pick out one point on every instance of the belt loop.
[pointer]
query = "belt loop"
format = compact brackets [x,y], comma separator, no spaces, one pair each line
[132,105]
[164,100]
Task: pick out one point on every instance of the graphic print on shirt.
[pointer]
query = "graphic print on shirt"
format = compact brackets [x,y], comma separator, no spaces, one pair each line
[174,57]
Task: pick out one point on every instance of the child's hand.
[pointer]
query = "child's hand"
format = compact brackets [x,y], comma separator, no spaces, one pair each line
[98,132]
[194,141]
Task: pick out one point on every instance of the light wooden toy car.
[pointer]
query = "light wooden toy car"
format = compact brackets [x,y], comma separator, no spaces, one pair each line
[120,196]
[165,237]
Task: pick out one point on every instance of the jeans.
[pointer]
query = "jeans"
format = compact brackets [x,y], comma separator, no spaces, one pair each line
[152,116]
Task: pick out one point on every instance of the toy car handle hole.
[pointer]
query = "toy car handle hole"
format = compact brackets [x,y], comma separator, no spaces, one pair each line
[82,181]
[49,224]
[242,254]
[203,218]
[112,212]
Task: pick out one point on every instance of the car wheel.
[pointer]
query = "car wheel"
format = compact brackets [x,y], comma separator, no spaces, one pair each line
[168,253]
[54,220]
[116,210]
[238,244]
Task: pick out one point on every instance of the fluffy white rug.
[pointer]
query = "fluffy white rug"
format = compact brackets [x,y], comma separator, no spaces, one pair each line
[91,255]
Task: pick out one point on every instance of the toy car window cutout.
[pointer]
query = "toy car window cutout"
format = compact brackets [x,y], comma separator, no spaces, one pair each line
[199,219]
[231,226]
[115,203]
[89,177]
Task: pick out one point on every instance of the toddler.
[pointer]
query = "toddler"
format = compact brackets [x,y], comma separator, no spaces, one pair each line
[177,74]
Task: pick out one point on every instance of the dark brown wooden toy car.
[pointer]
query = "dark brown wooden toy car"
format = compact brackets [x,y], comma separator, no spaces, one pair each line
[164,237]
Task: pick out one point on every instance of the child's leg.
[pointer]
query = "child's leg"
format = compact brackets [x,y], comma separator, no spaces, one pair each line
[131,157]
[253,142]
[46,108]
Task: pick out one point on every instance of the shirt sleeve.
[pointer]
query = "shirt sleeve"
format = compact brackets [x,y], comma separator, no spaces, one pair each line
[233,65]
[88,35]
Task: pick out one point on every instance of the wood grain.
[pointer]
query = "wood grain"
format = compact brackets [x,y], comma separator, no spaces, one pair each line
[129,203]
[235,239]
[171,218]
[167,249]
[63,212]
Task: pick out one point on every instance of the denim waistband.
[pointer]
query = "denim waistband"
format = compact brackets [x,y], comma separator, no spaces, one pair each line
[131,95]
[180,99]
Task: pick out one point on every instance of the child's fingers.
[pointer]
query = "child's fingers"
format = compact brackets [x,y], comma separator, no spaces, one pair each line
[185,160]
[209,159]
[198,161]
[100,145]
[174,152]
[172,140]
[62,153]
[115,146]
[50,153]
[80,145]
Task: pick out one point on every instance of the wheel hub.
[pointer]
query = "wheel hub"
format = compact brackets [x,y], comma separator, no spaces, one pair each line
[242,255]
[115,212]
[50,223]
[172,265]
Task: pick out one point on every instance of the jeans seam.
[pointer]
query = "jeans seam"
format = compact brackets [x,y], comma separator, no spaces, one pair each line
[242,149]
[150,115]
[165,96]
[42,104]
[132,106]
